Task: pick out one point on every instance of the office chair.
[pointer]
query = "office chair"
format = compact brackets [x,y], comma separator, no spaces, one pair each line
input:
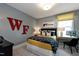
[72,43]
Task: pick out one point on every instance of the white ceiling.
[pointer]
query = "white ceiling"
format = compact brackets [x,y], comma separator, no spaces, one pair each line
[33,10]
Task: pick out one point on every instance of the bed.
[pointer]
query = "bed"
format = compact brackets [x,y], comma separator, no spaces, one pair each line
[42,45]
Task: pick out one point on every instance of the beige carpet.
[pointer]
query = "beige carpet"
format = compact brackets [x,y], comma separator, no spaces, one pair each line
[21,50]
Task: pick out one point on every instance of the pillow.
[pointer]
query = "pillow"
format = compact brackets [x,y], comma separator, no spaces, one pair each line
[54,37]
[48,34]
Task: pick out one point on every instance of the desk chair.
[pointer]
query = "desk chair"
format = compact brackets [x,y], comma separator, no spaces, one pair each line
[72,43]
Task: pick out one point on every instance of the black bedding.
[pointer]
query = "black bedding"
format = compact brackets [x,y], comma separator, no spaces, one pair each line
[48,40]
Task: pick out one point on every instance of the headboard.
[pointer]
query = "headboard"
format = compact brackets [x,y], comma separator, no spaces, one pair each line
[46,30]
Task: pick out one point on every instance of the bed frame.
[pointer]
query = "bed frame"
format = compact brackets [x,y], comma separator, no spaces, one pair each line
[40,44]
[42,47]
[49,29]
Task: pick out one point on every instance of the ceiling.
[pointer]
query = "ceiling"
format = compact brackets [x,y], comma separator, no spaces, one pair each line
[33,10]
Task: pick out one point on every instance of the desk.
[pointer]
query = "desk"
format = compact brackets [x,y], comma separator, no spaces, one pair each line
[64,39]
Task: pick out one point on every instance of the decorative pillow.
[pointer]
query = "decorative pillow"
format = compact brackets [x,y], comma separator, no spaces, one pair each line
[48,34]
[54,37]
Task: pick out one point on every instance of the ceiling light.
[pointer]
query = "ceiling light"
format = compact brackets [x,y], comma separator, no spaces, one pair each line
[46,6]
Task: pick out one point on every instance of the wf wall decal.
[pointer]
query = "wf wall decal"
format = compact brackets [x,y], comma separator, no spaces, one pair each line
[15,23]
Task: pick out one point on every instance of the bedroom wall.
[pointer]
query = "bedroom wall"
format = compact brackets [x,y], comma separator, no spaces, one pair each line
[5,30]
[76,22]
[50,19]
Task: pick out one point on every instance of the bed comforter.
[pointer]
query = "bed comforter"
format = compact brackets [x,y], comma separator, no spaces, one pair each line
[51,41]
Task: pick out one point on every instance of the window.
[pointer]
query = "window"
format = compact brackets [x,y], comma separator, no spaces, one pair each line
[63,27]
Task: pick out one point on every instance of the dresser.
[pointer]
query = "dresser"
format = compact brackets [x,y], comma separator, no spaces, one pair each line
[6,47]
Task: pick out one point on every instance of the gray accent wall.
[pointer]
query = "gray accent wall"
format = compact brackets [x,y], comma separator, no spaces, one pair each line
[5,30]
[76,23]
[51,19]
